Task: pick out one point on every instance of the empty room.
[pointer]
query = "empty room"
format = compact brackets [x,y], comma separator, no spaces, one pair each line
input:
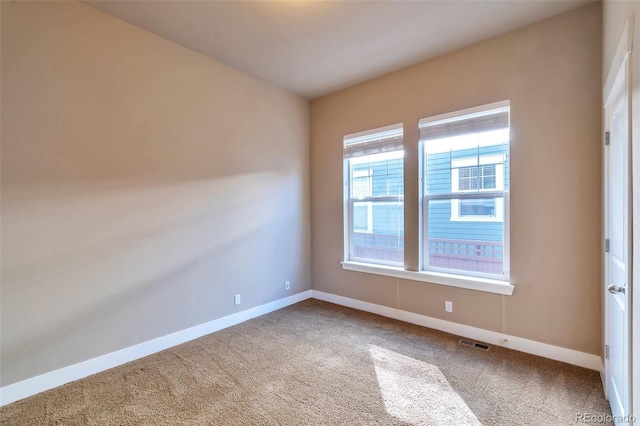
[319,212]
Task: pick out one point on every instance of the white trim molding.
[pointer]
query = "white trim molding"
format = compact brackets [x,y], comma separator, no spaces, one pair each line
[570,356]
[625,46]
[471,283]
[52,379]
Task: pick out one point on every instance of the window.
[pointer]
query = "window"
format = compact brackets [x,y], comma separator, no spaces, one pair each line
[362,183]
[361,187]
[473,174]
[374,196]
[465,192]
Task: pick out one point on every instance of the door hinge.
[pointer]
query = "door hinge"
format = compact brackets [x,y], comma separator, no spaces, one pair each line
[606,351]
[607,138]
[606,245]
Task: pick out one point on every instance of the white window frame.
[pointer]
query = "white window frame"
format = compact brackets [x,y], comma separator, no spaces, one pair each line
[459,274]
[390,148]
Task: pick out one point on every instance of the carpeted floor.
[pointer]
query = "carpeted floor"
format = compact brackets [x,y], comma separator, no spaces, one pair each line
[316,363]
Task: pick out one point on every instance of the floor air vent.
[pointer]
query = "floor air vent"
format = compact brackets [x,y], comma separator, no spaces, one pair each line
[473,344]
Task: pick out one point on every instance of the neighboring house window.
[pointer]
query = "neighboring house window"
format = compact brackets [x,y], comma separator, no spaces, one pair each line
[465,192]
[374,196]
[473,174]
[361,183]
[361,187]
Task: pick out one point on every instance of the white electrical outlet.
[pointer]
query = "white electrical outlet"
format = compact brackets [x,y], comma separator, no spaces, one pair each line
[236,299]
[448,306]
[287,285]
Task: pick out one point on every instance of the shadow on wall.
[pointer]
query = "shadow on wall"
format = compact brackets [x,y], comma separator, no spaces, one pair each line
[93,268]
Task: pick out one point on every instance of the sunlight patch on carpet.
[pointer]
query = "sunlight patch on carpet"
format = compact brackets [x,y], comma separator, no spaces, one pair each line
[416,392]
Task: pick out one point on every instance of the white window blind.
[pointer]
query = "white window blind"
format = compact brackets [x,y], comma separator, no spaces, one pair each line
[478,122]
[383,139]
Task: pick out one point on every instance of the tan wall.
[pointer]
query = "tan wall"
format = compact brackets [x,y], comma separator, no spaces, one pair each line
[550,72]
[143,185]
[616,14]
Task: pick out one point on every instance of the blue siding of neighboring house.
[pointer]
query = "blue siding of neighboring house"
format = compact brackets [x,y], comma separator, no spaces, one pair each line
[388,178]
[439,182]
[388,219]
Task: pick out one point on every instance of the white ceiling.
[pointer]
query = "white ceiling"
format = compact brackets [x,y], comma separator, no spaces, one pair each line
[312,48]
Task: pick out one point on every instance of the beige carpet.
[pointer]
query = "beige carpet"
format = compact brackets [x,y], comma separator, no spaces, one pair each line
[315,363]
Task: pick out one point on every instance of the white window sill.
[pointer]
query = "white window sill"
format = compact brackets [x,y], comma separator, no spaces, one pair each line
[471,283]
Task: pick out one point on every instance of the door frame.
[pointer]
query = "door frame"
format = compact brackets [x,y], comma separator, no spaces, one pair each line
[623,57]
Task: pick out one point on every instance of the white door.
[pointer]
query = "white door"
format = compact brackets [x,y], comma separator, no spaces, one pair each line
[617,262]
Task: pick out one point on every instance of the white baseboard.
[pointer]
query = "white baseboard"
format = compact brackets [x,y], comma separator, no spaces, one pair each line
[570,356]
[50,380]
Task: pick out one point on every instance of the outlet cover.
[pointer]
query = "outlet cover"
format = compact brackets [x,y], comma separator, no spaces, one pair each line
[448,306]
[236,299]
[287,285]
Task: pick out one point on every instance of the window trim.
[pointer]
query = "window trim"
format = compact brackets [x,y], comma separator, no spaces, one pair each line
[454,275]
[487,285]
